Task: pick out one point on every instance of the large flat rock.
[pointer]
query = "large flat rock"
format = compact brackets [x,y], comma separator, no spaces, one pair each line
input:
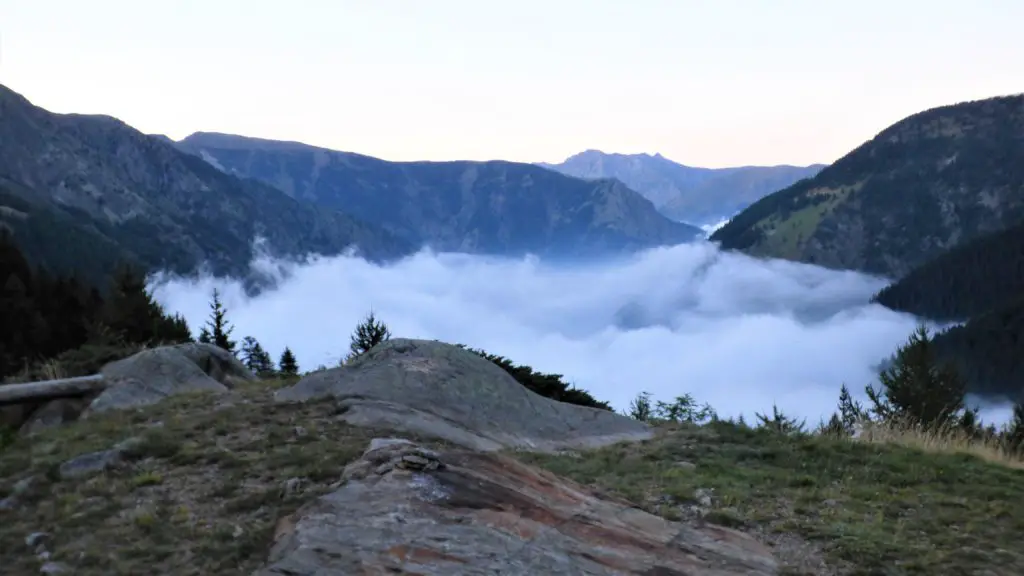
[407,510]
[441,390]
[154,374]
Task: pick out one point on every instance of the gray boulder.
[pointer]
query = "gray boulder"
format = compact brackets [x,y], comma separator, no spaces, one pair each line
[154,374]
[443,391]
[54,413]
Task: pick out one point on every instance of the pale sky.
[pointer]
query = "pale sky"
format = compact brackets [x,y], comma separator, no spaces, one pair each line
[706,83]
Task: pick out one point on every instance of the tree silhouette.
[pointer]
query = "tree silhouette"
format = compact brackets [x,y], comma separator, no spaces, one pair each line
[217,330]
[368,334]
[287,365]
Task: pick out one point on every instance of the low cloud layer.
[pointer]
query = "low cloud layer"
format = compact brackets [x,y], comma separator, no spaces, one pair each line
[736,332]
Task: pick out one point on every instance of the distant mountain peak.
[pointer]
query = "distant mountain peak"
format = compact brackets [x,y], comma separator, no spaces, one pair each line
[699,196]
[465,206]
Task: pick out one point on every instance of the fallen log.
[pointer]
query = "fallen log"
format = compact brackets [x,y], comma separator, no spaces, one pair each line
[51,389]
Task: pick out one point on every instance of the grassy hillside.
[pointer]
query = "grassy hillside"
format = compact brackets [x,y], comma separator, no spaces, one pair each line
[930,182]
[207,478]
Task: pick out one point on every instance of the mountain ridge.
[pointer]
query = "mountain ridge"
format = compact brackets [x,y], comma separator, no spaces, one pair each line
[685,193]
[147,202]
[931,181]
[495,207]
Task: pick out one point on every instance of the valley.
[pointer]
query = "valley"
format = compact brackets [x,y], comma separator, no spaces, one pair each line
[360,289]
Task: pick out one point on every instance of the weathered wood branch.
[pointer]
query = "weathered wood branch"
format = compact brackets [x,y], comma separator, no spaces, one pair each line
[50,389]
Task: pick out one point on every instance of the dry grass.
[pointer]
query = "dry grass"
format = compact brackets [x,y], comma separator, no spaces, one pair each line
[945,441]
[860,507]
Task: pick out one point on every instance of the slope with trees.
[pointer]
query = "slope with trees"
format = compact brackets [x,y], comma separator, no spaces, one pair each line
[82,193]
[934,180]
[60,317]
[980,282]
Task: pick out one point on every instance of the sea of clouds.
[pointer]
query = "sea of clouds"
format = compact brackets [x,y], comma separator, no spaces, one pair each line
[739,333]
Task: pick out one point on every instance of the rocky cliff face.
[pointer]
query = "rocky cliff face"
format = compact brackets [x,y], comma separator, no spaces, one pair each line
[696,195]
[929,182]
[97,187]
[489,207]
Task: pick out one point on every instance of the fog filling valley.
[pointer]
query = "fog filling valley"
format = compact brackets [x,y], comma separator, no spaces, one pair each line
[739,333]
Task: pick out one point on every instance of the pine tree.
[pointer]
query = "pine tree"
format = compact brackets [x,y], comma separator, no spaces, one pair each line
[134,317]
[287,364]
[256,358]
[217,330]
[780,422]
[850,411]
[368,334]
[1014,437]
[916,388]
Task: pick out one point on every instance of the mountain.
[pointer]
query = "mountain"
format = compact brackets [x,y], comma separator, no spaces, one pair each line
[487,207]
[81,192]
[932,181]
[965,281]
[982,282]
[697,195]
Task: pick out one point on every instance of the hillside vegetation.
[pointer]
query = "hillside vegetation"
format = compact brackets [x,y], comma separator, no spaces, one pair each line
[930,182]
[980,282]
[206,479]
[971,279]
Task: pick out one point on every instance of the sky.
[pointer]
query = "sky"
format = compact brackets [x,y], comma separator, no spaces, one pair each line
[738,333]
[706,83]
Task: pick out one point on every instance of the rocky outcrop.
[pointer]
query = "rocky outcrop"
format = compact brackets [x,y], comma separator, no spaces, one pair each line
[441,390]
[154,374]
[407,510]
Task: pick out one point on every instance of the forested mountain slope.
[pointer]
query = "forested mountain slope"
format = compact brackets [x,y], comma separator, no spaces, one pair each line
[982,282]
[82,192]
[926,184]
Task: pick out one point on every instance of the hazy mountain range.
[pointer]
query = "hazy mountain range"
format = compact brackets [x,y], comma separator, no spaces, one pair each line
[82,193]
[483,207]
[700,196]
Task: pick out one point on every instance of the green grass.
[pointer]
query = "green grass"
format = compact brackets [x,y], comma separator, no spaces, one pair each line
[867,508]
[200,490]
[207,478]
[786,238]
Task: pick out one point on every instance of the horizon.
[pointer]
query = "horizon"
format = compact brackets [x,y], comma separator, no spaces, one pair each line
[456,80]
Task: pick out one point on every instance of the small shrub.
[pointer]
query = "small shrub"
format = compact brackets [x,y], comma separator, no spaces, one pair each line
[779,422]
[147,479]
